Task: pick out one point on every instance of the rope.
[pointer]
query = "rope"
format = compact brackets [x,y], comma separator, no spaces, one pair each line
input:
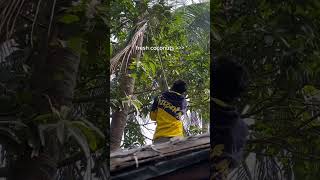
[164,74]
[136,160]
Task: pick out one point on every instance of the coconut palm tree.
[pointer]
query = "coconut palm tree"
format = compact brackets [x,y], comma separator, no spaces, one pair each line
[145,26]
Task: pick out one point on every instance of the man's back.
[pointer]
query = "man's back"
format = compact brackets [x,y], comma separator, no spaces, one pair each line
[167,110]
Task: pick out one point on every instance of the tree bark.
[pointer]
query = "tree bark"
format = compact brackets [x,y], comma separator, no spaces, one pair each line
[119,117]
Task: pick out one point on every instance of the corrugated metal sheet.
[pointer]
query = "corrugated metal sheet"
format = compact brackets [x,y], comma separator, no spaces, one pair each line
[163,167]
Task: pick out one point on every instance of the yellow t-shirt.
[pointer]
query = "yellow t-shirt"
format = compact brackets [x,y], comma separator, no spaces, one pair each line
[167,113]
[167,125]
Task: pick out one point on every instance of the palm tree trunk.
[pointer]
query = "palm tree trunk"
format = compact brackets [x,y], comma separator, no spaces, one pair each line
[119,117]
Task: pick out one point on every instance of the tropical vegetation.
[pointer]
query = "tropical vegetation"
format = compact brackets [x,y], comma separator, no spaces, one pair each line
[182,31]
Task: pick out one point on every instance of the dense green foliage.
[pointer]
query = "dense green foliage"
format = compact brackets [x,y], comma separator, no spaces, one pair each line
[278,42]
[185,32]
[53,87]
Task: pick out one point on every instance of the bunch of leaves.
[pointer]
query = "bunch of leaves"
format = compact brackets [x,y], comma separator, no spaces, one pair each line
[133,136]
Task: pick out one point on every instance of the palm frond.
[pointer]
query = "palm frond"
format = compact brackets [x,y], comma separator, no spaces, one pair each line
[8,17]
[197,22]
[126,53]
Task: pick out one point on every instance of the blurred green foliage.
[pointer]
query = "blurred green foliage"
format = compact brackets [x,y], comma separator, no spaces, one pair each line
[278,42]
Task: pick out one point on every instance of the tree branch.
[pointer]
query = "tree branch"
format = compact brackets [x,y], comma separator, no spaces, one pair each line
[146,91]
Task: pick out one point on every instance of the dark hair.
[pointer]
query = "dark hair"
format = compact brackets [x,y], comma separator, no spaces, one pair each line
[179,86]
[229,78]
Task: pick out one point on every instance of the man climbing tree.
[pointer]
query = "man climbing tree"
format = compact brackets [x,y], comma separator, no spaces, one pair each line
[228,131]
[167,110]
